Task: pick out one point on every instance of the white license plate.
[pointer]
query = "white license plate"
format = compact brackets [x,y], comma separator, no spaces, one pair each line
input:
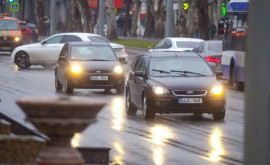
[100,78]
[190,100]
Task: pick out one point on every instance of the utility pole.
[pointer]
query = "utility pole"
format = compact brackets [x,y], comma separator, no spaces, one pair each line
[53,17]
[257,115]
[169,18]
[101,18]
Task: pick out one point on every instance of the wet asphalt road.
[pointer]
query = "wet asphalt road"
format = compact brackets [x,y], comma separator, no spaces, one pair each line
[173,139]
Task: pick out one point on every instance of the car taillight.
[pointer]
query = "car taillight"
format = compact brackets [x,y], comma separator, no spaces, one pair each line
[27,29]
[212,59]
[125,50]
[36,31]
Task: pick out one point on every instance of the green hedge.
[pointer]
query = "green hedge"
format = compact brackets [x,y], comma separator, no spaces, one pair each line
[135,43]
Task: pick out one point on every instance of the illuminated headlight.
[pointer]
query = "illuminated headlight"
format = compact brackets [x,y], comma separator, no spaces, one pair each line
[160,90]
[76,69]
[17,39]
[217,90]
[118,69]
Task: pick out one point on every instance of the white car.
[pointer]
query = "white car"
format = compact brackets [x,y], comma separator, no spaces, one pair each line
[176,44]
[47,51]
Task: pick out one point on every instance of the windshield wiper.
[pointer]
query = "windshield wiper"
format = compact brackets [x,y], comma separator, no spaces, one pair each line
[185,72]
[160,71]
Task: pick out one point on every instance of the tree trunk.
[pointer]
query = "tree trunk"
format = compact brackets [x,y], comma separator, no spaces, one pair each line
[111,22]
[40,17]
[135,17]
[149,24]
[203,19]
[87,17]
[75,23]
[125,27]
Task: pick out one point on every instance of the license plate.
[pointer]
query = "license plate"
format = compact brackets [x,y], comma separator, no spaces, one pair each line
[100,78]
[190,100]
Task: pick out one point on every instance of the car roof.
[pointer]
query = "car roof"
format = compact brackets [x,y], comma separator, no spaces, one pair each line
[79,34]
[213,41]
[7,18]
[170,54]
[88,43]
[184,39]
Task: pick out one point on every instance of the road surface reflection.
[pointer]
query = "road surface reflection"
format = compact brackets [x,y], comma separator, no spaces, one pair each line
[118,113]
[216,144]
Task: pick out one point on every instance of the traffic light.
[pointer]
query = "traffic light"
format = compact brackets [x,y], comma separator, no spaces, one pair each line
[224,8]
[11,1]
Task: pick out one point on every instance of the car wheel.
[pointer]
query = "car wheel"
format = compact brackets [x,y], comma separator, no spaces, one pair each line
[238,86]
[219,115]
[22,60]
[120,90]
[147,114]
[58,85]
[68,87]
[130,109]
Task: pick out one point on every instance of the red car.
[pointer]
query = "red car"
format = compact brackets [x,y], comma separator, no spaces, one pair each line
[29,32]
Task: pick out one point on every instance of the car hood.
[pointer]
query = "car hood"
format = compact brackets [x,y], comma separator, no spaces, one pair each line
[185,83]
[97,65]
[28,46]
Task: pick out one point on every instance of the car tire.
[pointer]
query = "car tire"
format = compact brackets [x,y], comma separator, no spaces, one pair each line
[58,85]
[219,115]
[68,88]
[120,90]
[147,113]
[237,86]
[130,108]
[22,60]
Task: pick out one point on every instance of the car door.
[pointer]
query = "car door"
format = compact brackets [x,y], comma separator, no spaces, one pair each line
[62,64]
[48,50]
[131,80]
[139,83]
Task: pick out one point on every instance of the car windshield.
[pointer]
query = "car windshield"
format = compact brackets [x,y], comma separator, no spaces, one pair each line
[92,53]
[215,47]
[186,66]
[98,39]
[186,44]
[8,25]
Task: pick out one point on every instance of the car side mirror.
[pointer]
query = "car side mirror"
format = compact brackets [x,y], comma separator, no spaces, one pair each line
[62,58]
[219,75]
[140,74]
[43,42]
[221,26]
[121,60]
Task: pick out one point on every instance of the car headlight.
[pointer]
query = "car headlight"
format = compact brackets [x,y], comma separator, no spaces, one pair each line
[160,90]
[118,69]
[17,39]
[76,69]
[217,90]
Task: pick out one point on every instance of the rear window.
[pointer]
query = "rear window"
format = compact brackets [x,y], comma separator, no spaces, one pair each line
[8,25]
[215,47]
[98,39]
[23,25]
[186,44]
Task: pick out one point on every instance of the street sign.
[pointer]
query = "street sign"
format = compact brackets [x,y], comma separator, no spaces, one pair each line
[186,6]
[14,6]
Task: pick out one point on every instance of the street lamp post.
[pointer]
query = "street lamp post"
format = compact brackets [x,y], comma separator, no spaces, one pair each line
[169,18]
[101,18]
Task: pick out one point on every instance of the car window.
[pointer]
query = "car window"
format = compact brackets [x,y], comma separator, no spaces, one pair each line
[160,44]
[143,65]
[64,51]
[92,53]
[170,66]
[70,38]
[98,39]
[134,62]
[138,64]
[8,25]
[215,47]
[167,44]
[196,48]
[201,48]
[23,25]
[54,40]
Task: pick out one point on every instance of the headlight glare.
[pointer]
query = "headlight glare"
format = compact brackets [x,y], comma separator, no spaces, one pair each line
[118,69]
[76,69]
[217,90]
[17,39]
[160,90]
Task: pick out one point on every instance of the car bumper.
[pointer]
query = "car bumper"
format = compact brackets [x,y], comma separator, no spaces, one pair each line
[84,82]
[169,104]
[9,45]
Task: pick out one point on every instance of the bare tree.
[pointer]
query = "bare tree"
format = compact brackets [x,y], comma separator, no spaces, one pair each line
[125,27]
[87,17]
[159,17]
[203,18]
[111,24]
[40,17]
[149,24]
[135,16]
[75,23]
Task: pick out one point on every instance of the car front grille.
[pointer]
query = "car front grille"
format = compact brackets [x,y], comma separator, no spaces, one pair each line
[6,38]
[100,71]
[189,92]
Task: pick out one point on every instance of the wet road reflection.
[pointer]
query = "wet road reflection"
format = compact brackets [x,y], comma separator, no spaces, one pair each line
[119,157]
[158,155]
[75,141]
[118,113]
[159,134]
[216,144]
[16,68]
